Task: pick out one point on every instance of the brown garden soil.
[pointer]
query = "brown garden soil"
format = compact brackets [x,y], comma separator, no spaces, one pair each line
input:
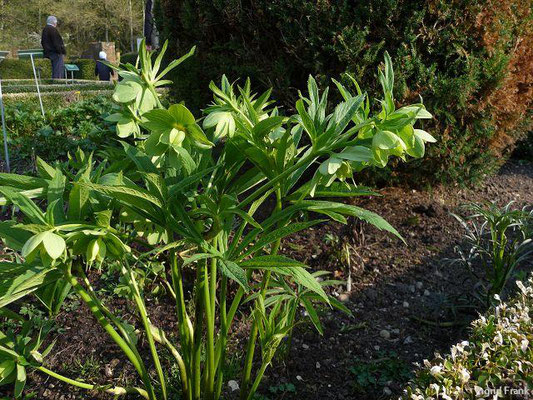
[406,301]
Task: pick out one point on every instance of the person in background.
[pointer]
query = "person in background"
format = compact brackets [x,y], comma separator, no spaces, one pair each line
[53,47]
[103,71]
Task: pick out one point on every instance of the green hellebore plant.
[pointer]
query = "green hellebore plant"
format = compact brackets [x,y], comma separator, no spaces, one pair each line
[169,196]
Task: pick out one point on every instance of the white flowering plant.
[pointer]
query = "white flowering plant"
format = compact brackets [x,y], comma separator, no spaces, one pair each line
[497,361]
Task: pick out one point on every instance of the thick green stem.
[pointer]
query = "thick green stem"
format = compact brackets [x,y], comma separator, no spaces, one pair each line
[197,338]
[146,323]
[116,391]
[184,325]
[93,307]
[250,348]
[209,369]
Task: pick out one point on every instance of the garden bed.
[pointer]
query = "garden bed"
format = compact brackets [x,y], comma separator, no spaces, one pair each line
[369,356]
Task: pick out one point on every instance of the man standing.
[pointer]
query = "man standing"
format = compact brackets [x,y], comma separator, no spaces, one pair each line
[53,47]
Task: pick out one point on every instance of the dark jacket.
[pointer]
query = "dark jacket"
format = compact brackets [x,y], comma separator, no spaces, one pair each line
[52,41]
[103,71]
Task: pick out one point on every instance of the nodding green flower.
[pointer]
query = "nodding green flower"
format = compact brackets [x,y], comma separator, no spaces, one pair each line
[171,128]
[223,123]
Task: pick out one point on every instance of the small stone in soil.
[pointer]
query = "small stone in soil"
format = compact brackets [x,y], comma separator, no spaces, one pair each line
[426,292]
[385,334]
[405,304]
[317,365]
[344,297]
[396,331]
[305,346]
[408,340]
[419,285]
[299,378]
[233,385]
[387,391]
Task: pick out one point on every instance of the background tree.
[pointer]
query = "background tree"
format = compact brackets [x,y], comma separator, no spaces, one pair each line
[80,21]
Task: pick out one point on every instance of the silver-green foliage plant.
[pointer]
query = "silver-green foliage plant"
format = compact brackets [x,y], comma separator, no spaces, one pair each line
[187,192]
[498,240]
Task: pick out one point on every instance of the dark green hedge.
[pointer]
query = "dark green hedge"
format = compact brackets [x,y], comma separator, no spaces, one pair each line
[130,58]
[54,100]
[86,67]
[470,60]
[21,69]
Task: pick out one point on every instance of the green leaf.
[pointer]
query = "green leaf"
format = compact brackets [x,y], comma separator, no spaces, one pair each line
[13,236]
[330,166]
[312,315]
[18,280]
[197,257]
[234,272]
[271,237]
[159,120]
[126,91]
[20,382]
[21,181]
[354,211]
[198,135]
[134,196]
[356,153]
[32,244]
[7,367]
[181,114]
[126,127]
[385,140]
[141,160]
[53,244]
[303,278]
[267,125]
[270,261]
[28,207]
[45,170]
[307,122]
[426,137]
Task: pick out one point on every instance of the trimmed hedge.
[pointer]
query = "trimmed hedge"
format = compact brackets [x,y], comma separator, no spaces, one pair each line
[54,100]
[470,60]
[59,87]
[130,58]
[498,355]
[21,69]
[86,67]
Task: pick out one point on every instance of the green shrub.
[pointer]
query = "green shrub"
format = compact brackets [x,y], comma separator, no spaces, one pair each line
[497,357]
[128,58]
[22,69]
[86,67]
[468,59]
[53,100]
[57,87]
[62,130]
